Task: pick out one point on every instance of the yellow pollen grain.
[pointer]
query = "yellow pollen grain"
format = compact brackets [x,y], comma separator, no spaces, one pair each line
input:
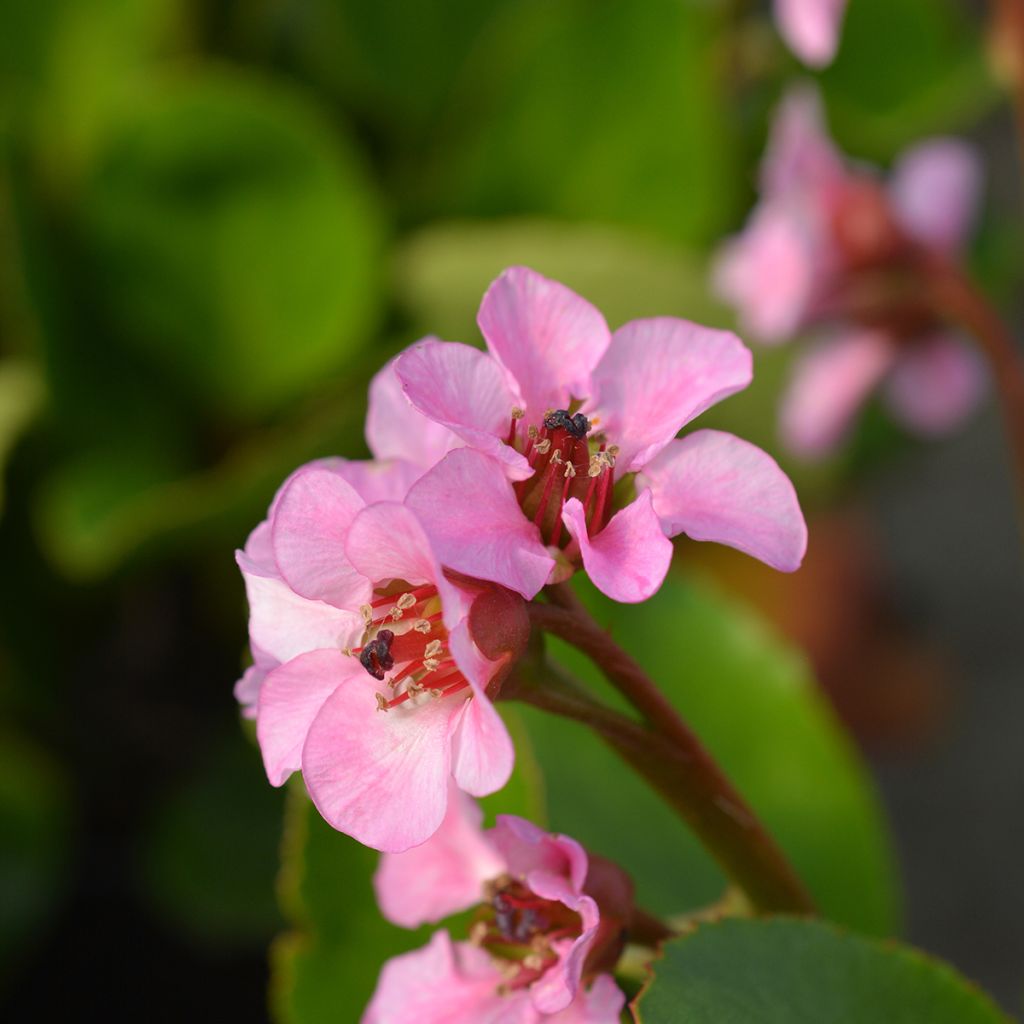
[570,471]
[517,413]
[422,626]
[406,601]
[367,613]
[382,702]
[544,446]
[532,432]
[430,664]
[433,649]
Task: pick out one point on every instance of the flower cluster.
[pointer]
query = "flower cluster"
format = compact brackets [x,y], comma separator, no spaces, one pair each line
[388,604]
[830,247]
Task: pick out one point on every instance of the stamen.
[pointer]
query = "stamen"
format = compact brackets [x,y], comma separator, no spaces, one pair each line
[382,702]
[432,649]
[423,626]
[405,601]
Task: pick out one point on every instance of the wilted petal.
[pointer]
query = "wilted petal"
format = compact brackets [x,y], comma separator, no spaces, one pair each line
[381,776]
[464,389]
[936,384]
[659,374]
[442,876]
[476,526]
[290,698]
[397,430]
[628,559]
[830,383]
[935,188]
[714,486]
[309,523]
[811,28]
[546,337]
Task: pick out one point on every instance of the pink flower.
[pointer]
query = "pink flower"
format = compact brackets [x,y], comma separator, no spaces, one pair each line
[828,248]
[531,937]
[811,28]
[570,450]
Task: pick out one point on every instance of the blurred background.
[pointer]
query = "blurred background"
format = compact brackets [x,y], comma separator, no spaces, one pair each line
[217,220]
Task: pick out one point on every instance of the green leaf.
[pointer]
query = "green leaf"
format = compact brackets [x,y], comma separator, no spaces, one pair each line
[235,239]
[326,968]
[756,707]
[786,971]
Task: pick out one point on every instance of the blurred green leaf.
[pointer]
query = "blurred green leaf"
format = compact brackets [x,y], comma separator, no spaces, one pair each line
[927,74]
[443,271]
[781,971]
[34,812]
[212,851]
[753,703]
[235,240]
[326,968]
[611,111]
[21,396]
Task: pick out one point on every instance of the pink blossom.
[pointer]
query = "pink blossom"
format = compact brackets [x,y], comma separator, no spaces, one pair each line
[531,936]
[568,429]
[811,28]
[827,236]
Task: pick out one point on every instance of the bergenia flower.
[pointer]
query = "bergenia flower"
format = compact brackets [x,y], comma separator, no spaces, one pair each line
[572,454]
[811,28]
[830,249]
[533,939]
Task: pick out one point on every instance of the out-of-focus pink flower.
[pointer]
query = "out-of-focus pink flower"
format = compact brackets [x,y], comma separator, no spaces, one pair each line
[569,431]
[828,249]
[531,936]
[811,28]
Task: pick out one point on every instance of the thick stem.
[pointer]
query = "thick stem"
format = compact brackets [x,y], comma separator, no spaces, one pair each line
[685,776]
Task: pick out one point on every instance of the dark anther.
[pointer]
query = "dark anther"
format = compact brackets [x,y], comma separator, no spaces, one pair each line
[578,425]
[375,657]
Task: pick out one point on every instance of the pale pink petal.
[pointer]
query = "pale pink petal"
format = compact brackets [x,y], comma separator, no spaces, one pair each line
[442,876]
[602,1003]
[444,983]
[290,698]
[387,542]
[381,776]
[397,430]
[656,376]
[476,526]
[936,384]
[282,624]
[830,382]
[464,389]
[800,158]
[714,486]
[546,337]
[629,558]
[482,750]
[259,551]
[935,188]
[247,689]
[769,271]
[556,989]
[379,481]
[309,522]
[527,848]
[811,28]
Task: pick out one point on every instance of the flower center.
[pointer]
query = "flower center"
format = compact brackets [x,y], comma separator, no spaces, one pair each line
[405,633]
[568,462]
[517,927]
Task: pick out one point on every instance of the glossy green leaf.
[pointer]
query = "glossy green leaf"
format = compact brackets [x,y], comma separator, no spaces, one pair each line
[755,705]
[782,971]
[235,239]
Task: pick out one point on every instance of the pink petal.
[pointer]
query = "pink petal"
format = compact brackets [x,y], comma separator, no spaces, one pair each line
[282,624]
[830,382]
[482,750]
[378,481]
[464,389]
[769,271]
[526,848]
[444,983]
[601,1004]
[247,689]
[290,698]
[546,337]
[659,374]
[381,776]
[387,542]
[310,520]
[800,159]
[811,28]
[476,526]
[935,188]
[628,559]
[713,486]
[442,876]
[936,384]
[397,430]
